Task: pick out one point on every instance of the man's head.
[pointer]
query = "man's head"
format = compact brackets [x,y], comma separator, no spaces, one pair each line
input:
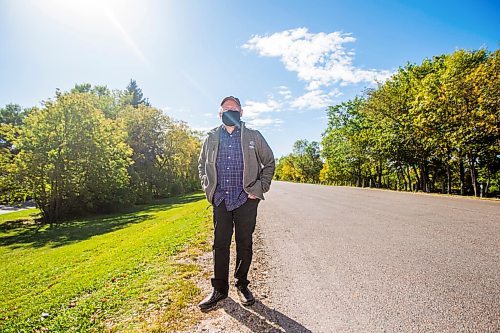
[227,99]
[230,103]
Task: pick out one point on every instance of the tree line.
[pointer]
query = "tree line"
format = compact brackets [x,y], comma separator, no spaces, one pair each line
[431,127]
[93,150]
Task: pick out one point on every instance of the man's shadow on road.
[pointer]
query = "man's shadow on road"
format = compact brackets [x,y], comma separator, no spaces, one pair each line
[260,318]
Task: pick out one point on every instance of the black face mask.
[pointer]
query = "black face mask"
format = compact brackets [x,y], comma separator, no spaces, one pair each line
[231,117]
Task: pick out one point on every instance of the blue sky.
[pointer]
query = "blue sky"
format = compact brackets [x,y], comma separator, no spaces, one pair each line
[286,60]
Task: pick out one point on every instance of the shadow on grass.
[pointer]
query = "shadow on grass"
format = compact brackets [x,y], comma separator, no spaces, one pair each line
[6,226]
[26,232]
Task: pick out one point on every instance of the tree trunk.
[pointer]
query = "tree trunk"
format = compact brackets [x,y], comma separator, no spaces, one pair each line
[448,178]
[462,177]
[473,175]
[419,183]
[379,174]
[486,188]
[410,188]
[423,177]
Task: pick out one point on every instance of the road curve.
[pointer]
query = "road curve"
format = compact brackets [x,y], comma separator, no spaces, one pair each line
[345,259]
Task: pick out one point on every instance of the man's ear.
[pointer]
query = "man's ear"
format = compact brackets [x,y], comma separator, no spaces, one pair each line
[241,112]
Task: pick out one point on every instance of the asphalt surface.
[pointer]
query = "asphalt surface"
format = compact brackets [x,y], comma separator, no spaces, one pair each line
[345,259]
[4,209]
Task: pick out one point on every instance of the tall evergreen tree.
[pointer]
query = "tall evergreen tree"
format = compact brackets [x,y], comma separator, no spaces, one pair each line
[136,93]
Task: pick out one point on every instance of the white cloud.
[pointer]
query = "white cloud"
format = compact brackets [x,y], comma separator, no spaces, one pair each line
[253,113]
[315,99]
[264,122]
[319,59]
[253,109]
[284,92]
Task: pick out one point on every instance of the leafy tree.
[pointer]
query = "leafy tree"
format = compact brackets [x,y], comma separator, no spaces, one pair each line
[345,145]
[144,126]
[285,169]
[11,120]
[178,158]
[430,125]
[307,160]
[90,150]
[485,83]
[164,153]
[73,159]
[110,102]
[463,108]
[303,165]
[11,117]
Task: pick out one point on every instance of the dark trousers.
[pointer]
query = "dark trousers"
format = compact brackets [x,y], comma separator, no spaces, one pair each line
[244,219]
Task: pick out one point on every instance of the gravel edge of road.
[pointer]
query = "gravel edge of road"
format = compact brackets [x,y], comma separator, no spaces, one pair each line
[229,315]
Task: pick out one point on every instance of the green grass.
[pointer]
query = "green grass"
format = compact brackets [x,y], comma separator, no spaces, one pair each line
[106,273]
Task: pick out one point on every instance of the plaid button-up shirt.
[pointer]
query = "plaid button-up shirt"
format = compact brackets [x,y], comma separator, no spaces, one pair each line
[230,170]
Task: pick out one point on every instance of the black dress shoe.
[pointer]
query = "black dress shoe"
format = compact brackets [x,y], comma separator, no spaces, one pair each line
[245,296]
[212,299]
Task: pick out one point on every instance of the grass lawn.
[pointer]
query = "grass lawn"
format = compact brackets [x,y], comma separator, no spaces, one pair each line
[106,273]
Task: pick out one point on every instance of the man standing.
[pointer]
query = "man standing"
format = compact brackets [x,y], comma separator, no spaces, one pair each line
[235,166]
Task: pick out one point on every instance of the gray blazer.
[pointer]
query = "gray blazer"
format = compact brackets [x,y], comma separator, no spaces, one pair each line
[258,162]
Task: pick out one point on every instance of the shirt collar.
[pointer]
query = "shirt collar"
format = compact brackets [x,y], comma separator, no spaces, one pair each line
[236,130]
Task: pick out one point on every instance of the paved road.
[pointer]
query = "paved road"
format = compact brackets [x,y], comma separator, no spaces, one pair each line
[361,260]
[4,209]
